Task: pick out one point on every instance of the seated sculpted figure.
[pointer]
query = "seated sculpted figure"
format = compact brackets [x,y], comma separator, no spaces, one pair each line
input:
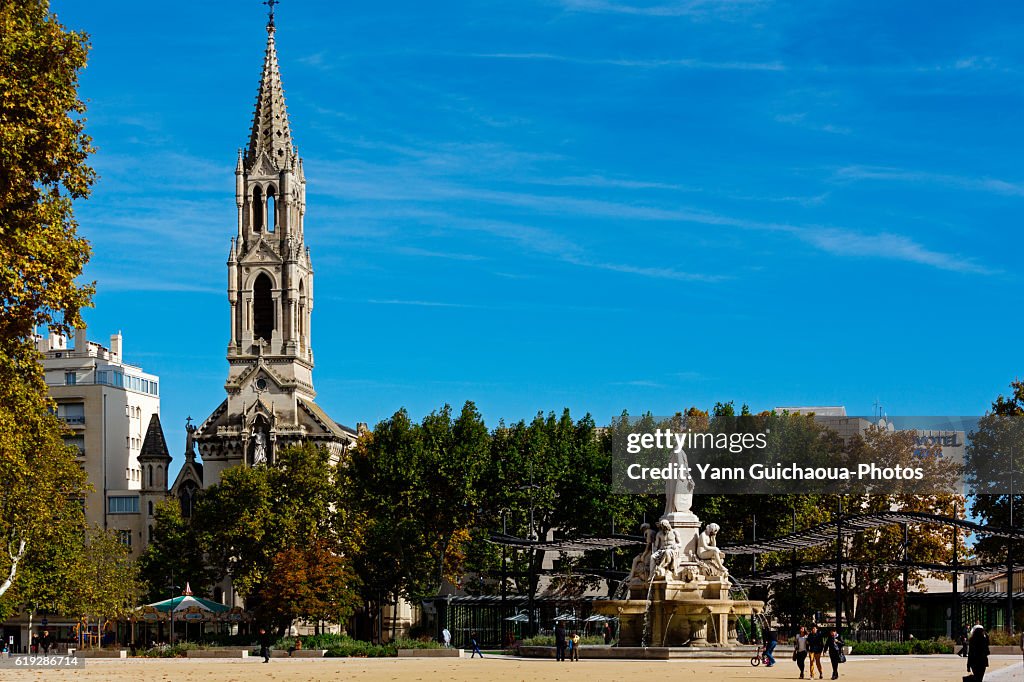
[642,561]
[707,550]
[667,550]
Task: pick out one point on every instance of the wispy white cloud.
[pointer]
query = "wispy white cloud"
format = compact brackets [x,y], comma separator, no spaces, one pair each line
[990,185]
[681,8]
[640,383]
[428,253]
[802,120]
[424,304]
[890,246]
[644,63]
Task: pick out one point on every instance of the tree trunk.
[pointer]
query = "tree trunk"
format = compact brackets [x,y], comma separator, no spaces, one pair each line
[15,558]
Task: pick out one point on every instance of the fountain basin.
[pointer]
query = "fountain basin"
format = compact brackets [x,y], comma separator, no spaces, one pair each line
[694,614]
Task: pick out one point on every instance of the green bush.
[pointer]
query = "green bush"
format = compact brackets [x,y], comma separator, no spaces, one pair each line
[355,648]
[324,640]
[915,647]
[416,644]
[1002,638]
[549,640]
[176,651]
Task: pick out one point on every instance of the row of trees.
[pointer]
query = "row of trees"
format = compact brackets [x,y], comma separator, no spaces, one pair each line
[413,504]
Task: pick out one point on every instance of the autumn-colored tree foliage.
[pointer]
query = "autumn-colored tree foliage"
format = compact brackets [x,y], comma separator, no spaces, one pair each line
[313,583]
[43,149]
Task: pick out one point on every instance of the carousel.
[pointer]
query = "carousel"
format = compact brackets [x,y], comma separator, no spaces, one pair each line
[184,618]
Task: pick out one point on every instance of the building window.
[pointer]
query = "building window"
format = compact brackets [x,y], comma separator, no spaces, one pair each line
[76,442]
[71,413]
[70,378]
[128,504]
[151,505]
[125,536]
[151,533]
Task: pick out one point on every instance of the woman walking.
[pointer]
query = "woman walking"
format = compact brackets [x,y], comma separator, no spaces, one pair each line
[800,650]
[977,653]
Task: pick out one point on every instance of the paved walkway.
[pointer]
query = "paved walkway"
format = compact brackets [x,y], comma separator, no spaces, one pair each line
[497,669]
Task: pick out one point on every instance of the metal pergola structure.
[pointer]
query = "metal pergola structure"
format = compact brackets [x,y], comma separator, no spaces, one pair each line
[841,528]
[845,526]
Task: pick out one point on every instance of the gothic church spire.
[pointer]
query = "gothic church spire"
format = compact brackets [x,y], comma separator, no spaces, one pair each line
[270,130]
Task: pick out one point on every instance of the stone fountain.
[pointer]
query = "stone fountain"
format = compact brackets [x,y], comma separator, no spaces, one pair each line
[678,588]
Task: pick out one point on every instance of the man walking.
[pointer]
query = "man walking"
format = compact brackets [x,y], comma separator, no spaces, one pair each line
[815,645]
[446,637]
[265,645]
[834,645]
[771,640]
[476,646]
[559,642]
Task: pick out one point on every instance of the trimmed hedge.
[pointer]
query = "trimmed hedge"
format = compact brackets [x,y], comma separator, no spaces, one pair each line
[176,651]
[549,640]
[915,647]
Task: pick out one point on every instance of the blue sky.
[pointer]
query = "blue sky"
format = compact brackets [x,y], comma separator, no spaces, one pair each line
[597,204]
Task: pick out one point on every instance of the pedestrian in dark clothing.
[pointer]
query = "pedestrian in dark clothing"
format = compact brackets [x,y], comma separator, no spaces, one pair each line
[476,646]
[962,639]
[559,642]
[834,645]
[977,653]
[771,640]
[607,633]
[815,645]
[265,643]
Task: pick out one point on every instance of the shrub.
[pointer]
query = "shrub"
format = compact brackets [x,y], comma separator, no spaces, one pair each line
[176,651]
[549,640]
[355,648]
[324,640]
[916,647]
[416,644]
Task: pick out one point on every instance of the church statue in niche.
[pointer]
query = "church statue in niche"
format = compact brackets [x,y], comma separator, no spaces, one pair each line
[259,446]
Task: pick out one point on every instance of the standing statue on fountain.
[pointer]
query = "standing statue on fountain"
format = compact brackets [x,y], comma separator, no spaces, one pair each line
[708,552]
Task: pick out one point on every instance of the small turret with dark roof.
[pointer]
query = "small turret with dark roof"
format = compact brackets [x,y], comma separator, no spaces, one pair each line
[154,458]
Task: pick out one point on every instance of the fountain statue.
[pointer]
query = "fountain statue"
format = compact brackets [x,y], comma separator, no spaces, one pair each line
[679,586]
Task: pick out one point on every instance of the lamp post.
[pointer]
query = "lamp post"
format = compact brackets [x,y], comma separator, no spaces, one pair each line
[532,537]
[172,587]
[504,574]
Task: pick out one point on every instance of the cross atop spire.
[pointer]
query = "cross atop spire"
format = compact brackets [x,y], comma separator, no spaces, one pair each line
[270,4]
[270,130]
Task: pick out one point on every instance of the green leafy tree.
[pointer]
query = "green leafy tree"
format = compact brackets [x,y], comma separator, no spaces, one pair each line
[418,493]
[43,149]
[250,523]
[994,451]
[174,553]
[104,582]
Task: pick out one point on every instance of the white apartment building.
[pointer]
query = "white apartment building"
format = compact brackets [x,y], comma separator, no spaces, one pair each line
[108,405]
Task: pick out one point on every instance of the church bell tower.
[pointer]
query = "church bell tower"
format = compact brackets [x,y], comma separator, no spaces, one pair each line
[270,395]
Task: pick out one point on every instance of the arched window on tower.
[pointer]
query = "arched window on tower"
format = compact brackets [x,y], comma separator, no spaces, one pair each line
[302,315]
[262,308]
[271,210]
[257,210]
[186,497]
[150,475]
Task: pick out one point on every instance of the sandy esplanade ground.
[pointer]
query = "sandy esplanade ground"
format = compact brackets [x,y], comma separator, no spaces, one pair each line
[497,669]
